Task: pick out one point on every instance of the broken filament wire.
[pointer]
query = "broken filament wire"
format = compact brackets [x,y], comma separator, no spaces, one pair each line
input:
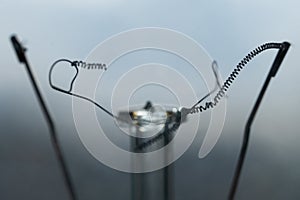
[196,108]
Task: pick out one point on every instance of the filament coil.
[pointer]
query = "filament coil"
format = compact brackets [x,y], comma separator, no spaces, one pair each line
[85,65]
[233,76]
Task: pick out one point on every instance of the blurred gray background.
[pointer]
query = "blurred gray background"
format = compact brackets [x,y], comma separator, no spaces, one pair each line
[227,29]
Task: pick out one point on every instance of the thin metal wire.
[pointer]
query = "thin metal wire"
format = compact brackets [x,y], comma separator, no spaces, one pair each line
[69,92]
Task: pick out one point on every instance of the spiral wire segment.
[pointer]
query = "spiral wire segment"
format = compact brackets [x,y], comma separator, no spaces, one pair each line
[236,71]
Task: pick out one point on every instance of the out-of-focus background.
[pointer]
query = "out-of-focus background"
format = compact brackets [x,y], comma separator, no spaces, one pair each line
[227,29]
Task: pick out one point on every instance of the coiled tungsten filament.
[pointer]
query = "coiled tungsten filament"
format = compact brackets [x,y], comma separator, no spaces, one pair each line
[233,76]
